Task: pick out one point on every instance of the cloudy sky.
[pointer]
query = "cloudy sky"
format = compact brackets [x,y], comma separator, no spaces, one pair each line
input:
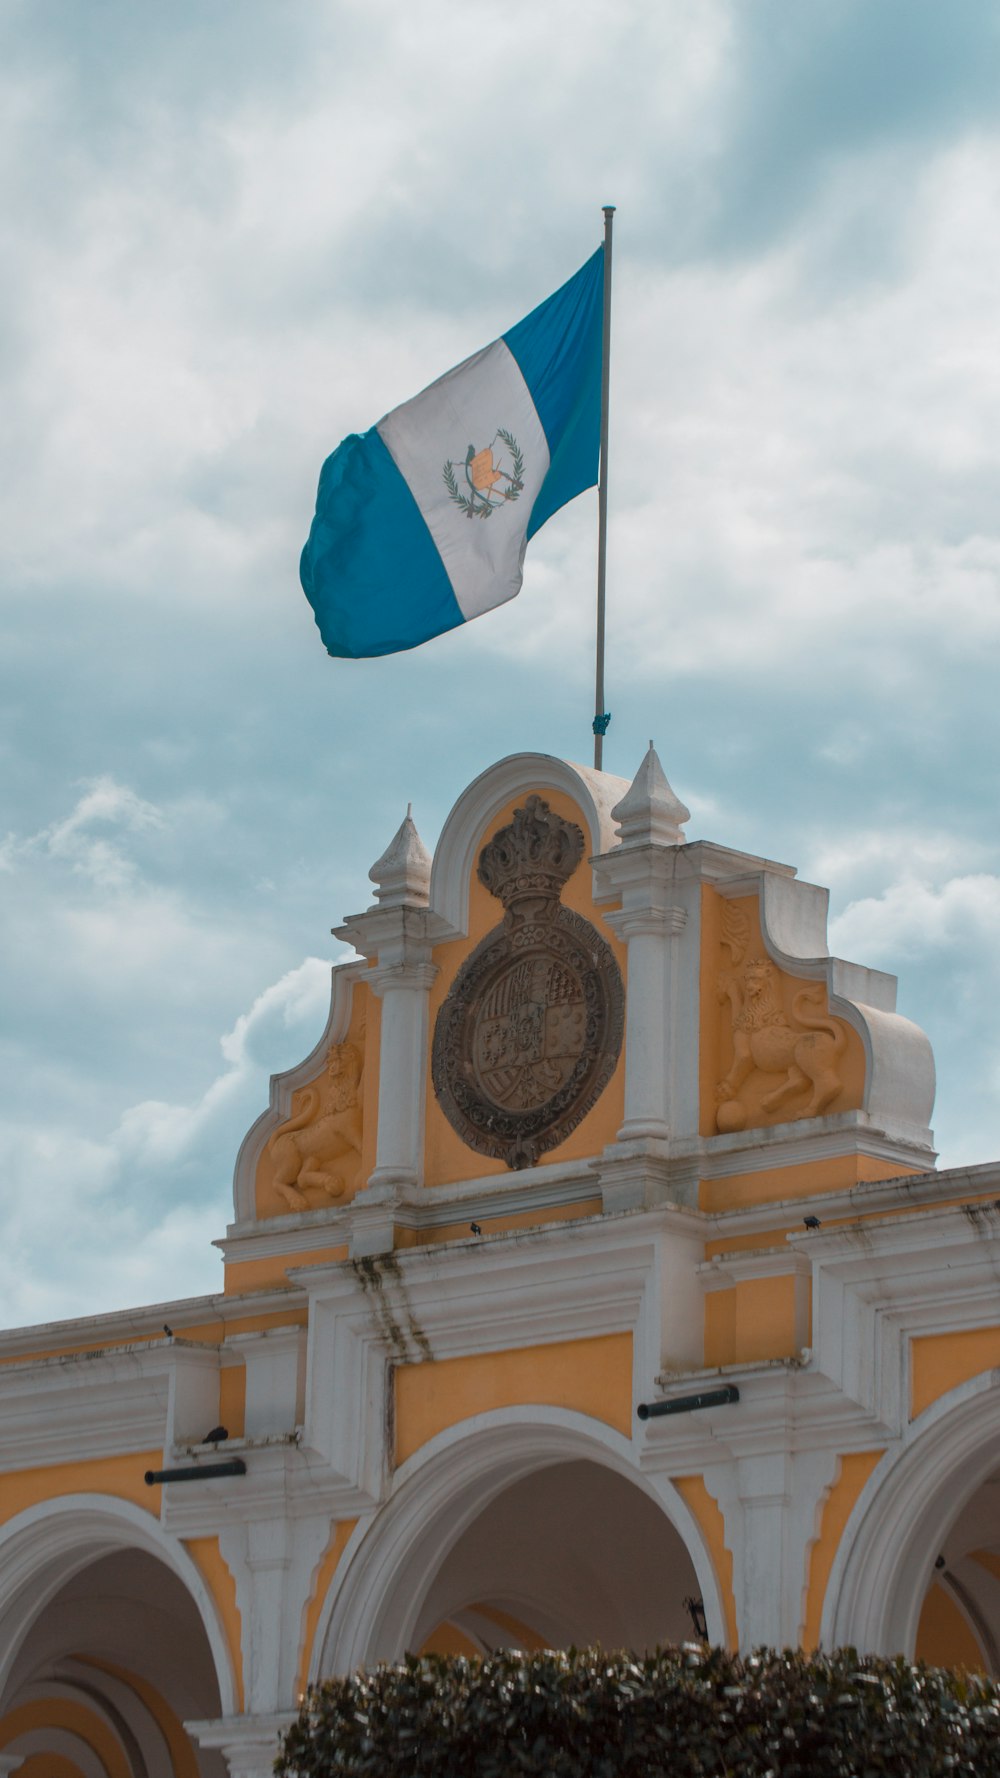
[231,234]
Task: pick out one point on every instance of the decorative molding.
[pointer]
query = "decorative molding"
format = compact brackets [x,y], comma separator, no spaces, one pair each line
[885,1558]
[373,1611]
[46,1545]
[248,1744]
[403,873]
[284,1085]
[650,812]
[594,793]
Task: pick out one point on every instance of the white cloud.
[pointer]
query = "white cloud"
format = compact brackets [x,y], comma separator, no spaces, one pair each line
[913,920]
[131,1218]
[232,237]
[90,855]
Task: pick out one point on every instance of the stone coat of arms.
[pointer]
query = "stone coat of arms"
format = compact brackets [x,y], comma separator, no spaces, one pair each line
[530,1033]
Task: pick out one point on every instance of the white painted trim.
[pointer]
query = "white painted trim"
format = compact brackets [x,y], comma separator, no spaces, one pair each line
[595,794]
[46,1545]
[885,1559]
[375,1601]
[343,977]
[728,1269]
[122,1330]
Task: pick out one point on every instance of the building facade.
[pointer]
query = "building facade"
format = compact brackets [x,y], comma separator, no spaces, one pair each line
[591,1280]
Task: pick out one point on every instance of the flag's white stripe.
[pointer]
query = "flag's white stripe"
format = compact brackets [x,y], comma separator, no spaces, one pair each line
[482,557]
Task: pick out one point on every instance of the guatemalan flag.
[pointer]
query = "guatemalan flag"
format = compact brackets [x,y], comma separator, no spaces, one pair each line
[422,522]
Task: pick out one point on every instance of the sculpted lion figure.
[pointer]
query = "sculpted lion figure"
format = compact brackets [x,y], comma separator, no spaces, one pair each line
[763,1039]
[320,1147]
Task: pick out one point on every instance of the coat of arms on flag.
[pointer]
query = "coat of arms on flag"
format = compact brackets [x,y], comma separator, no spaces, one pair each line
[490,483]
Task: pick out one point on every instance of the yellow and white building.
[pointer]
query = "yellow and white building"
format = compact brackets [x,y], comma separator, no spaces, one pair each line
[597,1126]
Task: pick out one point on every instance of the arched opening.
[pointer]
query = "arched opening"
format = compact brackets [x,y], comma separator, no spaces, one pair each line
[572,1554]
[531,1529]
[918,1572]
[106,1655]
[959,1623]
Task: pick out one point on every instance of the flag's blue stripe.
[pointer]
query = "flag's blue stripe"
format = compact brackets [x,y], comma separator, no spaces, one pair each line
[370,568]
[558,351]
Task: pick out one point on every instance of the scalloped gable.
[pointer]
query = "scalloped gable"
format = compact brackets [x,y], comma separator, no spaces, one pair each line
[743,1060]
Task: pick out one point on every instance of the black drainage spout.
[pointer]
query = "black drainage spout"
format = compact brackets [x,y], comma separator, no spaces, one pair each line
[686,1404]
[195,1472]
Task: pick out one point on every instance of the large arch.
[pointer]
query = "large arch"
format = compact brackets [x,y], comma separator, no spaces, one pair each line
[377,1610]
[894,1539]
[109,1639]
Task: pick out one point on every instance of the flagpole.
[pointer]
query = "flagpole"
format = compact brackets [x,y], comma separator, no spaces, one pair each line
[601,716]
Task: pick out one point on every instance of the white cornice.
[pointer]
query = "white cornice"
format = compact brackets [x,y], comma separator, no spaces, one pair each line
[100,1333]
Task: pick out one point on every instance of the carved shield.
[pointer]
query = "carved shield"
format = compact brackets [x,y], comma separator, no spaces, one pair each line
[530,1033]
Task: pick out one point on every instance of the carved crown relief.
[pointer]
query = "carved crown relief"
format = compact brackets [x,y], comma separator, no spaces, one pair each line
[314,1159]
[788,1054]
[531,1030]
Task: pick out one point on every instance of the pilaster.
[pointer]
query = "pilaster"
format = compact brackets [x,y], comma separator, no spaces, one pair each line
[397,936]
[641,873]
[272,1561]
[248,1744]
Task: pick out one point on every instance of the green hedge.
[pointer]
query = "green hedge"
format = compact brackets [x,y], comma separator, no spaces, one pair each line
[678,1713]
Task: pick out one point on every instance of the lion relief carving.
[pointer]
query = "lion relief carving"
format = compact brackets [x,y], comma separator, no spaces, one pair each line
[319,1148]
[805,1053]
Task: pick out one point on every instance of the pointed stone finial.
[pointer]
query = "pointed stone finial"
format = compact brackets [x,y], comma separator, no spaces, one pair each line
[649,812]
[403,873]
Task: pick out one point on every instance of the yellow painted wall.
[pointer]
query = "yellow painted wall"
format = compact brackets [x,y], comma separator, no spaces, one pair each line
[363,1031]
[121,1477]
[500,1225]
[775,1237]
[233,1399]
[211,1333]
[527,1638]
[448,1639]
[49,1765]
[740,1191]
[215,1572]
[988,1559]
[327,1568]
[841,1499]
[246,1275]
[944,1636]
[755,1319]
[592,1376]
[939,1362]
[716,1025]
[178,1742]
[708,1515]
[74,1719]
[446,1156]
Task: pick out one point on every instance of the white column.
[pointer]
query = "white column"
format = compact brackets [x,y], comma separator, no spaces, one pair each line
[272,1562]
[248,1744]
[397,936]
[403,988]
[771,1501]
[648,932]
[641,871]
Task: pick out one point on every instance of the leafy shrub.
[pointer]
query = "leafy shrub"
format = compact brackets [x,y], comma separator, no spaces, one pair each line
[688,1712]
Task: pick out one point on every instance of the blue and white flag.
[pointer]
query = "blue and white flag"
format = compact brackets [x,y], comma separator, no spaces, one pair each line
[422,522]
